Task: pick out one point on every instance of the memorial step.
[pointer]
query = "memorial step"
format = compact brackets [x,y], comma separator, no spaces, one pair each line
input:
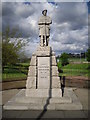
[53,106]
[21,102]
[43,100]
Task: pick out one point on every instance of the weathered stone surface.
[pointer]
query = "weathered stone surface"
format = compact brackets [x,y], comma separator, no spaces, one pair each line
[33,60]
[45,48]
[31,100]
[43,61]
[32,71]
[55,71]
[56,93]
[56,82]
[16,106]
[39,100]
[53,61]
[43,51]
[43,93]
[31,82]
[61,100]
[43,72]
[37,93]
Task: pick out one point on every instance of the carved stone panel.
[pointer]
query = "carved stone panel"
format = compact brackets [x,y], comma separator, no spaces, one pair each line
[43,72]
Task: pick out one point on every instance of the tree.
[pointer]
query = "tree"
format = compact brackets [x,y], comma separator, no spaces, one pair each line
[64,59]
[88,55]
[11,46]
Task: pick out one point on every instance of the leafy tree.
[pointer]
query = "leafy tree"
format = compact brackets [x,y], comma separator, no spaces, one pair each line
[11,46]
[88,55]
[64,59]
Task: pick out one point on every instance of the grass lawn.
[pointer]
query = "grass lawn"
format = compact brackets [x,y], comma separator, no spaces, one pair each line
[13,76]
[18,71]
[77,60]
[74,69]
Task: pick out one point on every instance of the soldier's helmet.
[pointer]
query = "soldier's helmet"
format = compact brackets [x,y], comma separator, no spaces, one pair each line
[43,11]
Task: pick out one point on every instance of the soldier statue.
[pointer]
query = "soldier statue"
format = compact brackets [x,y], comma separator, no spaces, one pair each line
[44,28]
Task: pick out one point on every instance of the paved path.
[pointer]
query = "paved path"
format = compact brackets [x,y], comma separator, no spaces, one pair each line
[82,94]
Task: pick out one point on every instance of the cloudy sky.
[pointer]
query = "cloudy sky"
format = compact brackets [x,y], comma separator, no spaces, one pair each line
[69,28]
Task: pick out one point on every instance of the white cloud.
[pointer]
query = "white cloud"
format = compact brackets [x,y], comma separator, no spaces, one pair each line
[69,29]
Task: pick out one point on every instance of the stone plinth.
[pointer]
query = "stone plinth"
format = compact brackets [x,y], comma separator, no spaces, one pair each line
[43,74]
[39,93]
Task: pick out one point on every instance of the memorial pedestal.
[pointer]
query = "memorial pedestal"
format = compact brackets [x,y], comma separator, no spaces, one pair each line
[43,73]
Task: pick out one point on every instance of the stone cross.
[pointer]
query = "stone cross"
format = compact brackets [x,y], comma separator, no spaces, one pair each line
[44,28]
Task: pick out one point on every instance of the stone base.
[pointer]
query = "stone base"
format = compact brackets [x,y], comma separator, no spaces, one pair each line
[42,93]
[43,73]
[21,102]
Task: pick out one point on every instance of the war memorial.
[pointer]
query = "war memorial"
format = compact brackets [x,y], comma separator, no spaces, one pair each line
[43,87]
